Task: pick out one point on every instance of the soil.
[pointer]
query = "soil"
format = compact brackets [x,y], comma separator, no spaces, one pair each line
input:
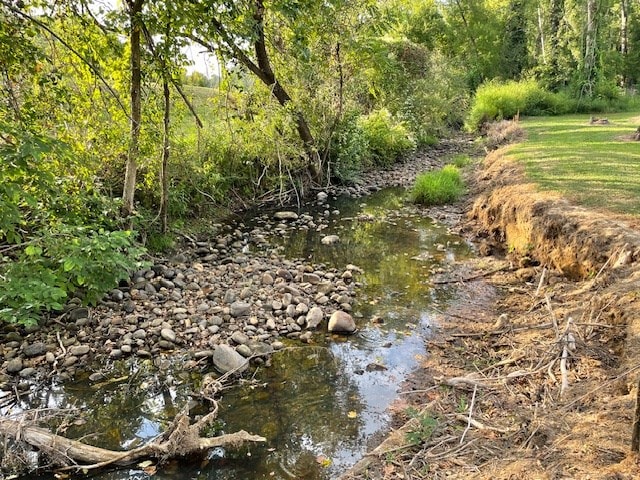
[533,374]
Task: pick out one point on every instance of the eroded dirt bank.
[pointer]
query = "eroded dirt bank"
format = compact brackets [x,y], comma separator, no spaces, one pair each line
[534,375]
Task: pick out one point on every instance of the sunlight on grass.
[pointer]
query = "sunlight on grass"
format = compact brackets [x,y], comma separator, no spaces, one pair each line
[593,165]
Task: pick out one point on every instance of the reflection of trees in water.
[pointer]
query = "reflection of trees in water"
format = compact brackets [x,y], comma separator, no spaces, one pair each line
[135,406]
[302,409]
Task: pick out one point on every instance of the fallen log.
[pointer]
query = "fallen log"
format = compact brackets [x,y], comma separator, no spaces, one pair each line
[76,452]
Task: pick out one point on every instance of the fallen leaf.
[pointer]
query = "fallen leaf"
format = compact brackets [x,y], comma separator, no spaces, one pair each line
[323,460]
[150,470]
[352,414]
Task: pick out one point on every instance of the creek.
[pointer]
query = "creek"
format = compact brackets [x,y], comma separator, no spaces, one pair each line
[318,404]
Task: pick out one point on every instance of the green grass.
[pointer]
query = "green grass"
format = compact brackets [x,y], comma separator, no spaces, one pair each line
[460,160]
[592,165]
[438,187]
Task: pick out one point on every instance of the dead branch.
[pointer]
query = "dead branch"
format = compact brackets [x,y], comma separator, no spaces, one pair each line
[472,277]
[470,419]
[479,425]
[95,457]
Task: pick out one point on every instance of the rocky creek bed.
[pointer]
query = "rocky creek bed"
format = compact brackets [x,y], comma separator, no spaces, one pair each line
[233,289]
[220,302]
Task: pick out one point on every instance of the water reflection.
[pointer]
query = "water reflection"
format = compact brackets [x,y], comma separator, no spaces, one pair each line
[318,404]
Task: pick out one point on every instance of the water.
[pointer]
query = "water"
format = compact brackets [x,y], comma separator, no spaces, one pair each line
[318,405]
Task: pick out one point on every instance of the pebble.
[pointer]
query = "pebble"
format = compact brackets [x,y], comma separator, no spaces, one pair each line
[14,366]
[34,349]
[79,350]
[168,335]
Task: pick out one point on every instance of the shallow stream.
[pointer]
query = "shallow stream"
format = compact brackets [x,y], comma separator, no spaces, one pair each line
[318,404]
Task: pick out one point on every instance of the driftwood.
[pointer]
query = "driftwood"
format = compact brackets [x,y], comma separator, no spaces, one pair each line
[182,438]
[57,446]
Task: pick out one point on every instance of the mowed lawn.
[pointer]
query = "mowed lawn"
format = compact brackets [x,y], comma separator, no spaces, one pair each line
[592,165]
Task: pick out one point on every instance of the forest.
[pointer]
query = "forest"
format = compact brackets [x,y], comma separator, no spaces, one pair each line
[109,147]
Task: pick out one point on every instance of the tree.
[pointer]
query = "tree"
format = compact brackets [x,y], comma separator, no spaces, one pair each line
[229,29]
[134,8]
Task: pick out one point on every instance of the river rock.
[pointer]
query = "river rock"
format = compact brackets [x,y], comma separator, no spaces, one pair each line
[284,273]
[341,322]
[14,366]
[244,350]
[78,313]
[314,317]
[311,278]
[285,215]
[226,359]
[34,349]
[67,362]
[267,279]
[322,197]
[330,240]
[239,309]
[168,335]
[27,372]
[79,350]
[240,338]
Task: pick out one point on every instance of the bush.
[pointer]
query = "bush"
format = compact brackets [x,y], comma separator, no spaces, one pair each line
[48,254]
[349,150]
[438,187]
[500,101]
[387,139]
[61,263]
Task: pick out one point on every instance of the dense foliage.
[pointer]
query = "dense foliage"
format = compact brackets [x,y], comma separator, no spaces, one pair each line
[102,127]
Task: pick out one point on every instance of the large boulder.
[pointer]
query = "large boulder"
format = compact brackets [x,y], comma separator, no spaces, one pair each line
[341,322]
[226,359]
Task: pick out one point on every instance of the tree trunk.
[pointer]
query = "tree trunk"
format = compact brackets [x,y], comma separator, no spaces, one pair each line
[164,176]
[590,48]
[543,52]
[269,78]
[129,190]
[624,36]
[262,69]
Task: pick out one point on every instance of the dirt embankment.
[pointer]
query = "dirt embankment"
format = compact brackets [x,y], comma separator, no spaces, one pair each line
[534,374]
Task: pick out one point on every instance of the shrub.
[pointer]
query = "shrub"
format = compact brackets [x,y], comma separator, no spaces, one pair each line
[499,101]
[63,262]
[47,254]
[438,187]
[349,150]
[387,139]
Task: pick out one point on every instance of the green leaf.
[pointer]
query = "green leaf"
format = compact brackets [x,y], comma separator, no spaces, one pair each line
[33,251]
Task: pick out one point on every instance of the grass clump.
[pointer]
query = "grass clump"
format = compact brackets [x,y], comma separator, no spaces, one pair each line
[438,187]
[460,160]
